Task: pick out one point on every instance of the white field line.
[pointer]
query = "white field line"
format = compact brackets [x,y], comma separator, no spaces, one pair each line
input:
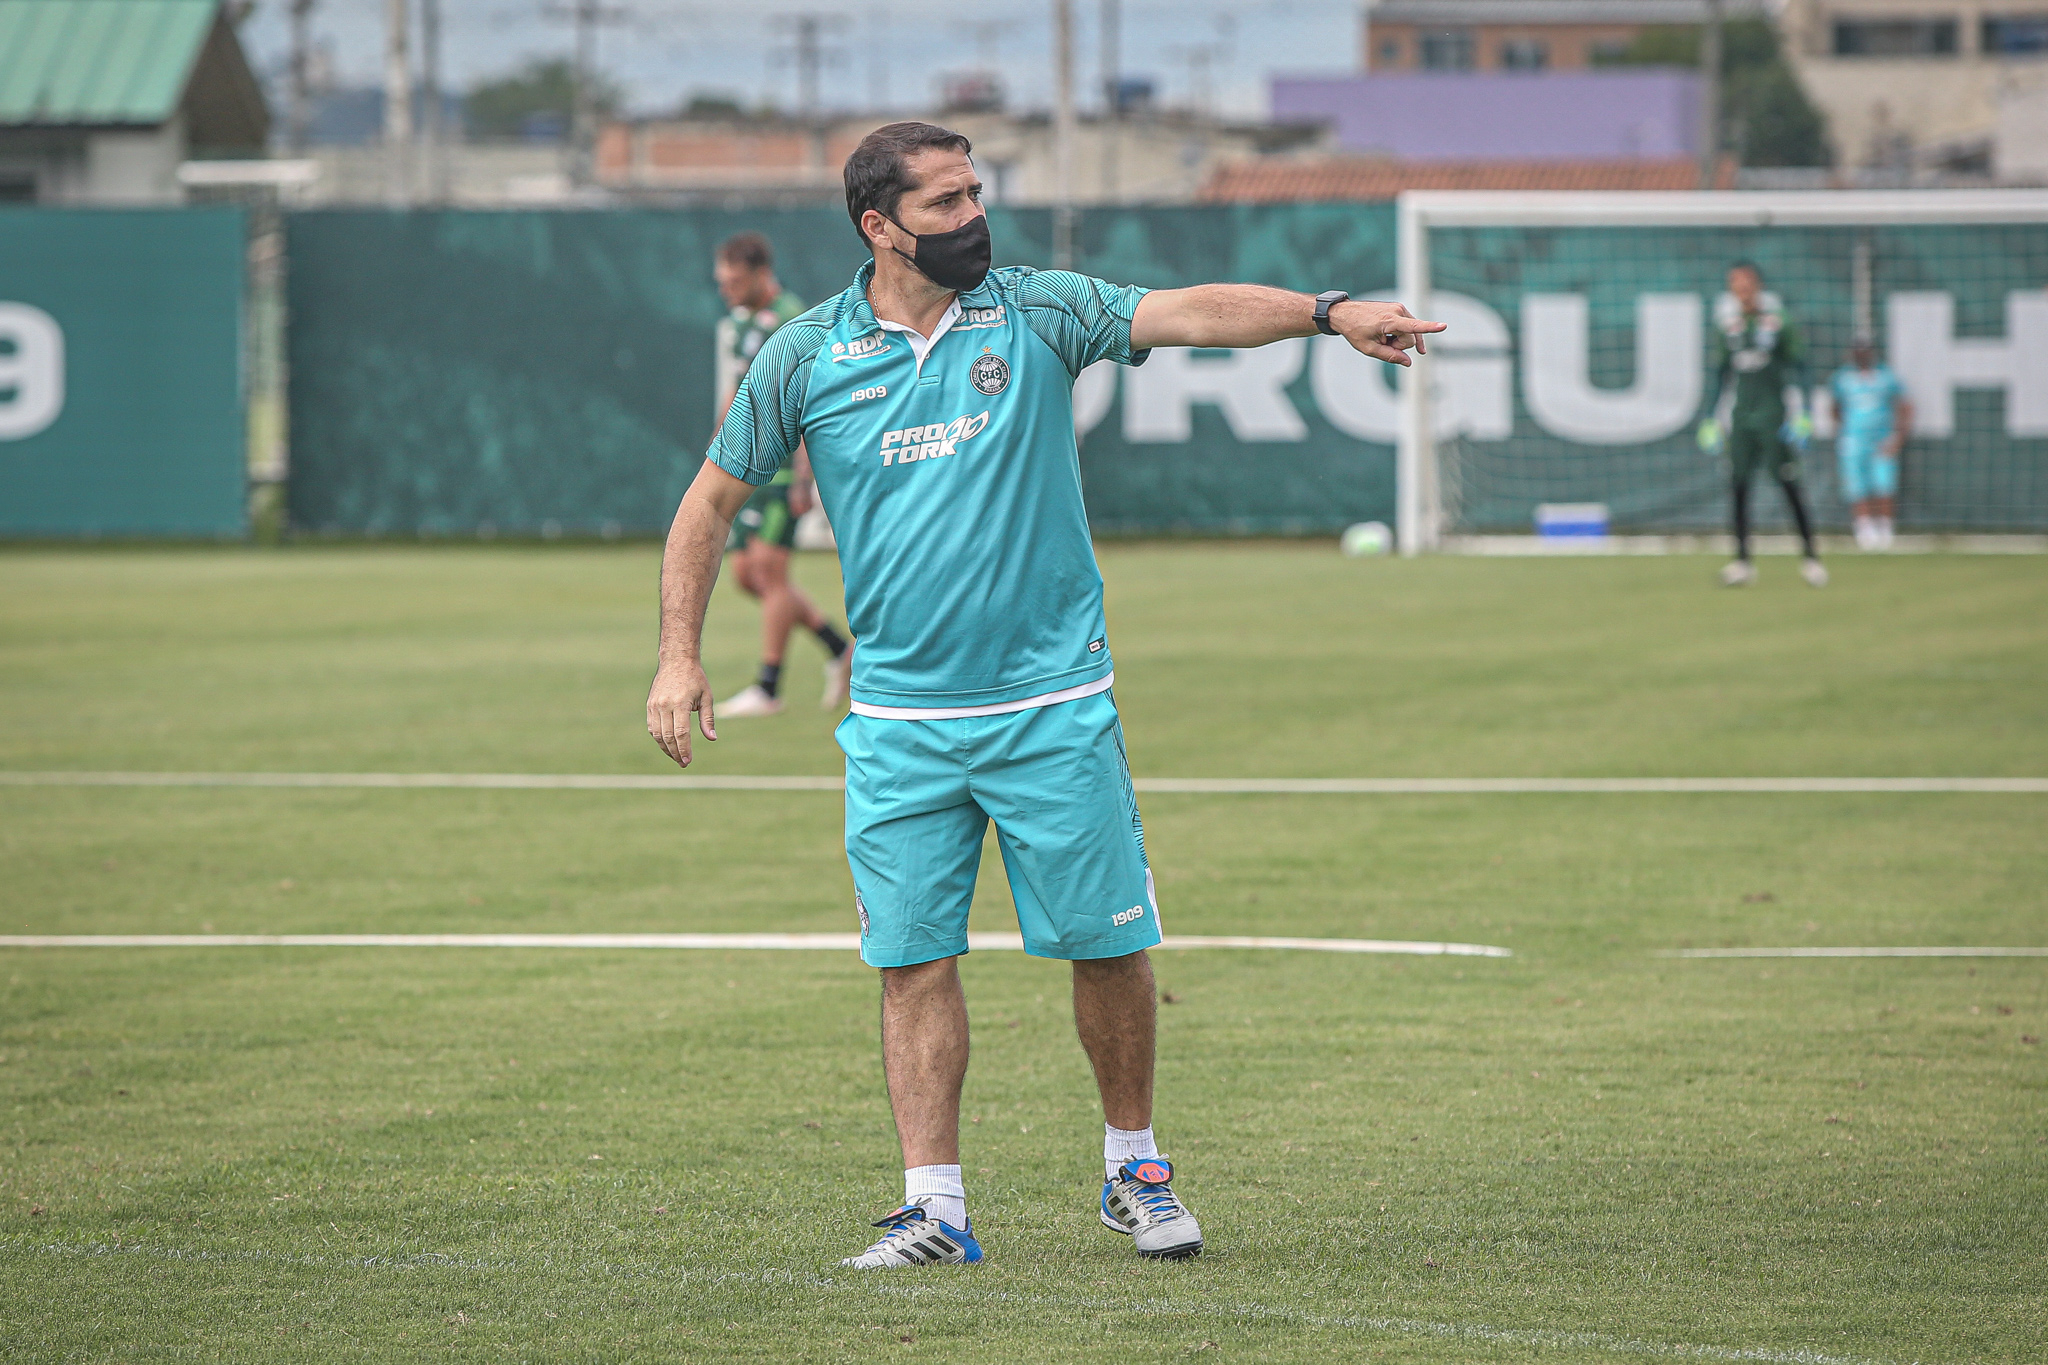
[1216,786]
[1855,952]
[844,943]
[964,1292]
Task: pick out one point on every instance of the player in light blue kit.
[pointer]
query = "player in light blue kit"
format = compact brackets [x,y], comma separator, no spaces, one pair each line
[1873,418]
[935,398]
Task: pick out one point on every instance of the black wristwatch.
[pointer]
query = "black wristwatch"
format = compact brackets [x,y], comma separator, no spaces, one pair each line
[1325,301]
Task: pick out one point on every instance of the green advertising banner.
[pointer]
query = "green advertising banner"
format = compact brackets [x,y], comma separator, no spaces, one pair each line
[120,373]
[540,372]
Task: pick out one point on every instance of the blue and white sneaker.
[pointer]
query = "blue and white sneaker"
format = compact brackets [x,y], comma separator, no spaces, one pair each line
[1139,1201]
[916,1237]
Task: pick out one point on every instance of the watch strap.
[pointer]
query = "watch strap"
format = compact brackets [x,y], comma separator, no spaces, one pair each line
[1325,301]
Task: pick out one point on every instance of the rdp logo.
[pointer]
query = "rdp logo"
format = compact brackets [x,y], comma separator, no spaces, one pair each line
[31,370]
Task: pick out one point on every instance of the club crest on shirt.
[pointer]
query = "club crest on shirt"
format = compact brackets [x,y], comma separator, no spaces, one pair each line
[989,373]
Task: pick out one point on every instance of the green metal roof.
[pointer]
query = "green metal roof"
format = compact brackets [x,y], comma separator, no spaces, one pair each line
[98,61]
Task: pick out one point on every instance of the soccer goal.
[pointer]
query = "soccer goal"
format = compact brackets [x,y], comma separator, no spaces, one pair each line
[1583,352]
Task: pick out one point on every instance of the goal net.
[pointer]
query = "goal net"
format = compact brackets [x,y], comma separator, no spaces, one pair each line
[1591,357]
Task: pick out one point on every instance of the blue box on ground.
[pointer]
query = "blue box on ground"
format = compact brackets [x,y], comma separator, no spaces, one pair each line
[1580,519]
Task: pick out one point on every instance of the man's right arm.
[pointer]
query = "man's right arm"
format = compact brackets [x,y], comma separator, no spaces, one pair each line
[689,568]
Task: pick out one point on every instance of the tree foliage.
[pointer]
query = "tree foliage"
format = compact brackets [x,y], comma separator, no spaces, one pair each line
[1766,119]
[509,105]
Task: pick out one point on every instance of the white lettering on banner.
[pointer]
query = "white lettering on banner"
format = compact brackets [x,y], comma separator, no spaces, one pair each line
[31,371]
[1094,391]
[1560,394]
[1250,387]
[1933,362]
[1474,376]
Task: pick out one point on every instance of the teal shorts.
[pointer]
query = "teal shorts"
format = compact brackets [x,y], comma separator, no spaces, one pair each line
[1867,472]
[919,798]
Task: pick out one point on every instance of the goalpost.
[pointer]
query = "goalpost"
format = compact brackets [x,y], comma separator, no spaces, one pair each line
[1581,352]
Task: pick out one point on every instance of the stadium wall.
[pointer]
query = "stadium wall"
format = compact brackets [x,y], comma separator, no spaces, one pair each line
[457,372]
[121,406]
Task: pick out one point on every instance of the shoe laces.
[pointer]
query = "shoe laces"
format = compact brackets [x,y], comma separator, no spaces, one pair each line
[1158,1202]
[901,1224]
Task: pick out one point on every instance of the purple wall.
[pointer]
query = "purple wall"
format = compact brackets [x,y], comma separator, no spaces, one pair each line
[1502,116]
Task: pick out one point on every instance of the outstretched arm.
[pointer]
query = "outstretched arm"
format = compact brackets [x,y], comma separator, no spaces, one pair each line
[1242,315]
[689,568]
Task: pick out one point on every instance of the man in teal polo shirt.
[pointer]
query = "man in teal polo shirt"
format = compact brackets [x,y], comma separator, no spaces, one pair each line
[935,399]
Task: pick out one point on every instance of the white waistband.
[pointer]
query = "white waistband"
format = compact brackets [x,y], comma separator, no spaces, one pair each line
[1001,708]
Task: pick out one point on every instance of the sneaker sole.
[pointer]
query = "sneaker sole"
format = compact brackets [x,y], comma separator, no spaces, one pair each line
[1180,1253]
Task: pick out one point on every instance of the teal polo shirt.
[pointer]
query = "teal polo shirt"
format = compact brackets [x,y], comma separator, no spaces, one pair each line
[951,476]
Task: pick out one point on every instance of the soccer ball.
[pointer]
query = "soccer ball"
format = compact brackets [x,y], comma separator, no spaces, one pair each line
[1367,538]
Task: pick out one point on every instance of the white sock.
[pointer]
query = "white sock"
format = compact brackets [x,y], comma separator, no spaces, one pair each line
[1120,1145]
[939,1188]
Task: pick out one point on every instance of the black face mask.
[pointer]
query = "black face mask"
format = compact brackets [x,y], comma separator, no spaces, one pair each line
[956,260]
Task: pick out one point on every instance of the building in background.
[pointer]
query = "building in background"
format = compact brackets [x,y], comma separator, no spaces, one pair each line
[2020,144]
[1152,157]
[1279,180]
[1918,86]
[1650,113]
[100,103]
[1520,35]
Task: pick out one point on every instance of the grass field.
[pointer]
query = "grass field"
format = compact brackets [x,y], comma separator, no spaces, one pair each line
[1583,1152]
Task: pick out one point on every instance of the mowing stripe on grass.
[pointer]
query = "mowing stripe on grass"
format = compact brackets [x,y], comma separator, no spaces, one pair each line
[1855,952]
[964,1291]
[844,943]
[1215,786]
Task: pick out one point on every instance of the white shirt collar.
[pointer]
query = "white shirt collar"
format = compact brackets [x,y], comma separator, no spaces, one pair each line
[920,345]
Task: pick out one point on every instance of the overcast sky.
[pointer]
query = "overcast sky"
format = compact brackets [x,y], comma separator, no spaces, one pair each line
[885,53]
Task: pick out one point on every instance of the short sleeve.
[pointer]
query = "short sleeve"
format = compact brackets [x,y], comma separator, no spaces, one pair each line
[764,425]
[1082,318]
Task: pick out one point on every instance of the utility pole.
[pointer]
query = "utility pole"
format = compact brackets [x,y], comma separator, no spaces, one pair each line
[878,63]
[1063,135]
[809,57]
[397,104]
[433,144]
[300,117]
[808,32]
[1112,95]
[585,16]
[583,98]
[1710,95]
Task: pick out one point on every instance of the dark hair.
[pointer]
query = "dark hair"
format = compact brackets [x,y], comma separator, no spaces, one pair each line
[748,250]
[878,172]
[1751,266]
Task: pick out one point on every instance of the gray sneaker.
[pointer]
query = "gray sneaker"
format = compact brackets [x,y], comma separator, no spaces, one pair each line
[1139,1201]
[913,1235]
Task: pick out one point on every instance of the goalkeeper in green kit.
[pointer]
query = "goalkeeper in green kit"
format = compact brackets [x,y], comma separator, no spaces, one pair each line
[1768,427]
